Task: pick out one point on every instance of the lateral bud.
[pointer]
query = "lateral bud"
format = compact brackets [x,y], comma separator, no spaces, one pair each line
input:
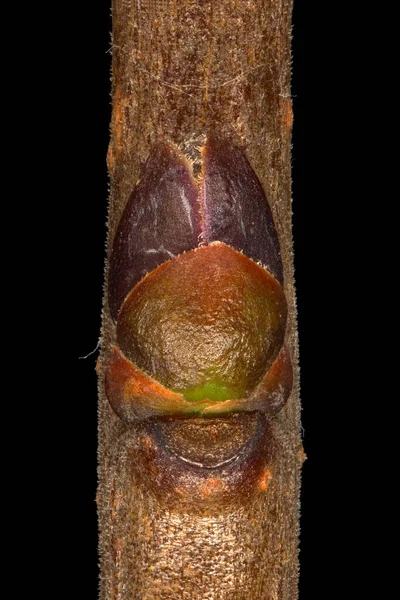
[195,289]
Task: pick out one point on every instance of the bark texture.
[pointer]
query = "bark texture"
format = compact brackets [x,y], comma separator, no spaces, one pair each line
[182,68]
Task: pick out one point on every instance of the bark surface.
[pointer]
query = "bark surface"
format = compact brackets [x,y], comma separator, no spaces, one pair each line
[182,68]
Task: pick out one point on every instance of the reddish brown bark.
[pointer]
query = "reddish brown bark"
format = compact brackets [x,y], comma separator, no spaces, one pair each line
[180,69]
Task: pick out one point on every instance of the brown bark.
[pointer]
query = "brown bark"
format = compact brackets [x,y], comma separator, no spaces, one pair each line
[181,68]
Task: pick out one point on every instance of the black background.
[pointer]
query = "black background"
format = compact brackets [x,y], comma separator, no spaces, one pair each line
[80,97]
